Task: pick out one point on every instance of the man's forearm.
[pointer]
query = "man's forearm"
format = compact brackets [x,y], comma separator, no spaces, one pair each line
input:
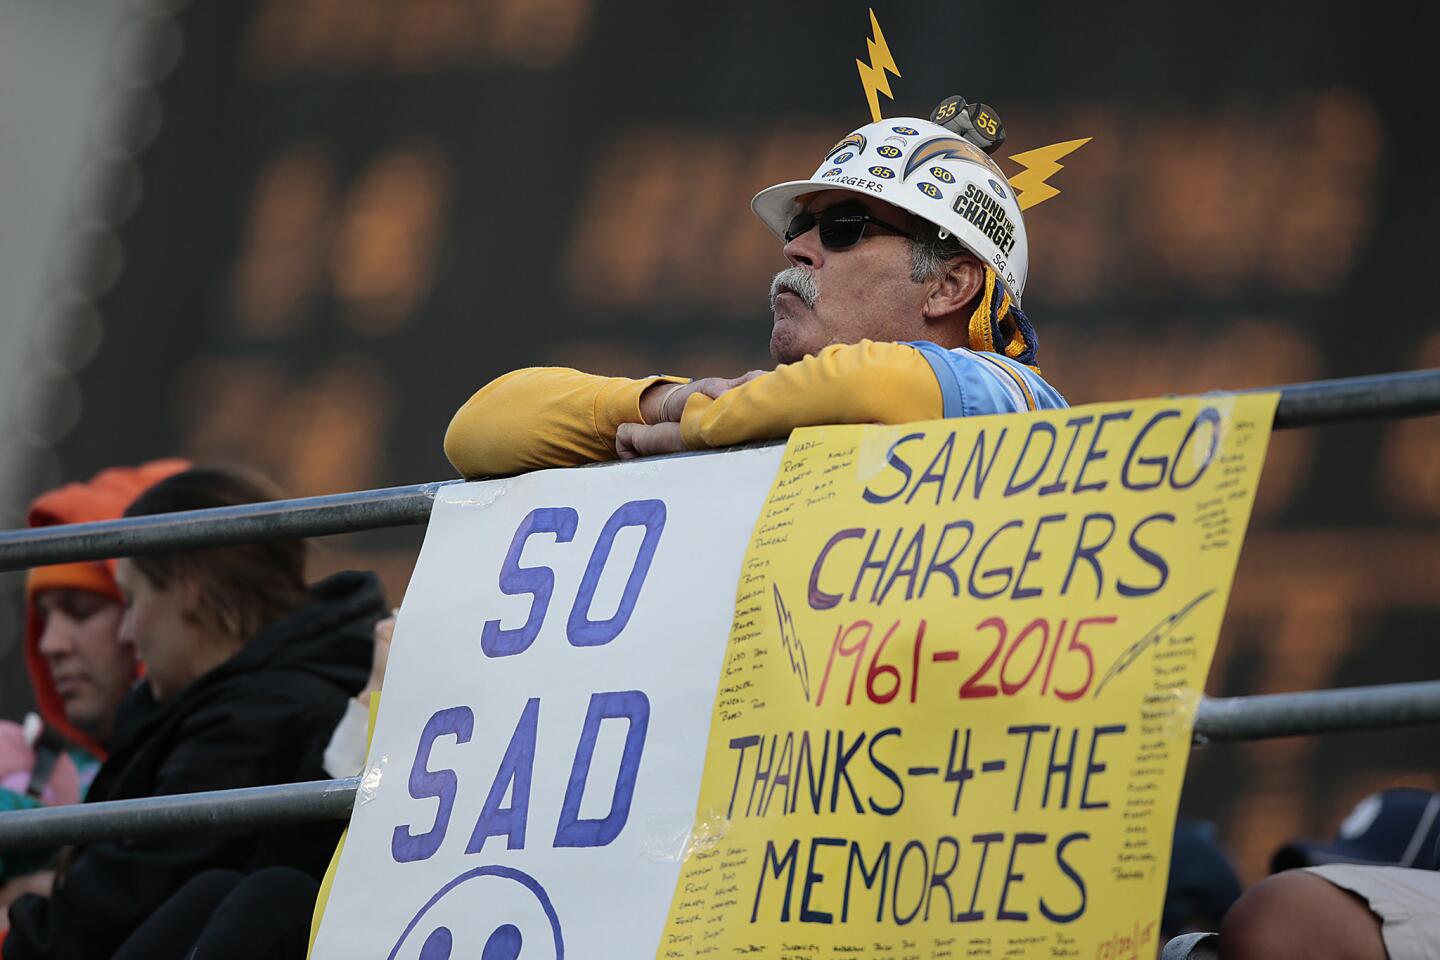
[856,383]
[545,417]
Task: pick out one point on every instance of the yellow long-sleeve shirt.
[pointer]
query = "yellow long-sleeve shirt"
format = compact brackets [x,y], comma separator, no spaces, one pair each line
[557,417]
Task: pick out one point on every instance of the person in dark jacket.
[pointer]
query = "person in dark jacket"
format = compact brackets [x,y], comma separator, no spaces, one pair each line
[247,673]
[79,672]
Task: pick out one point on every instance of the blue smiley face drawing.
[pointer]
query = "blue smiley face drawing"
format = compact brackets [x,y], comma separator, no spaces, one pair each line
[450,926]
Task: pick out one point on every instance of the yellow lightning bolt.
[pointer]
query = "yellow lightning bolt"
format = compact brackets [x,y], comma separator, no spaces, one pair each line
[1040,164]
[872,74]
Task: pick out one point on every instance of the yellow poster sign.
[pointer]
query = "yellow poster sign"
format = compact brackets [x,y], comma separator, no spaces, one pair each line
[956,706]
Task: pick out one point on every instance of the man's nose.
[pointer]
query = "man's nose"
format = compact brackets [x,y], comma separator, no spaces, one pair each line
[57,639]
[806,250]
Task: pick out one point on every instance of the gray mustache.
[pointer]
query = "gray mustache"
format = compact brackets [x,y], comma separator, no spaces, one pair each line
[799,281]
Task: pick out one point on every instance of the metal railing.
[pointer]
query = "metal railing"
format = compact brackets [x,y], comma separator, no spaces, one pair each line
[1225,719]
[1385,396]
[1388,396]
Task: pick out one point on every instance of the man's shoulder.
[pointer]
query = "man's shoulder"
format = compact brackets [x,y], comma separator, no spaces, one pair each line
[977,382]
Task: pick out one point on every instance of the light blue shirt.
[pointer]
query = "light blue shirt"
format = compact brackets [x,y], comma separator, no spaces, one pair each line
[974,383]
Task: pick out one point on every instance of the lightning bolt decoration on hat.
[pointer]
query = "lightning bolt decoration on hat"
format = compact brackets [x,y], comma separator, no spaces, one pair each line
[872,75]
[942,170]
[976,122]
[1030,184]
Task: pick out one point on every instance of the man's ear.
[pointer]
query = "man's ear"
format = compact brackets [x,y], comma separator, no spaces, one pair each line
[954,290]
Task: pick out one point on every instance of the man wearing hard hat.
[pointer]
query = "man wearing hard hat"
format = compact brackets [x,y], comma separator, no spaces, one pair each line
[908,259]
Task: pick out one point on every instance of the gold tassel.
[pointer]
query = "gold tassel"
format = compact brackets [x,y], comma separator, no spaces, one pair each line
[1015,346]
[982,336]
[983,333]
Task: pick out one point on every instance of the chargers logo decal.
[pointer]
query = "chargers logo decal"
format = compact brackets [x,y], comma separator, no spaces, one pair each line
[889,152]
[945,147]
[929,189]
[854,140]
[884,173]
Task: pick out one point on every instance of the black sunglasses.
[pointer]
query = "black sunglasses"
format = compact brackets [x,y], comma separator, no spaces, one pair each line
[841,226]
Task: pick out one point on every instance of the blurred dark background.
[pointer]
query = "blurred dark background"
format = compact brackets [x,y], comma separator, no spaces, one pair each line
[321,224]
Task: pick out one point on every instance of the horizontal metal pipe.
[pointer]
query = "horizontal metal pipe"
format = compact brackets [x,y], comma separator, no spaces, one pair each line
[246,808]
[1228,719]
[220,526]
[1318,712]
[1301,405]
[1384,396]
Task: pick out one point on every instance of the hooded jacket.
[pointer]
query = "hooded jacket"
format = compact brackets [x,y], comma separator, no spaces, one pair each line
[261,717]
[104,497]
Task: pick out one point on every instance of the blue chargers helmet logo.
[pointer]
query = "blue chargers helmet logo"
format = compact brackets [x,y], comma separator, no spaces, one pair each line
[889,151]
[998,189]
[929,189]
[844,156]
[907,131]
[855,140]
[884,173]
[941,174]
[940,148]
[832,172]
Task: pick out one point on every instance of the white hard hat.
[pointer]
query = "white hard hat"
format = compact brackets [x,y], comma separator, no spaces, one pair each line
[928,170]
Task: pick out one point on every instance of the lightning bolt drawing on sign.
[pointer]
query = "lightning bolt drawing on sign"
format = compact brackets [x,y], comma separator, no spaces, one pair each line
[1040,164]
[791,644]
[872,75]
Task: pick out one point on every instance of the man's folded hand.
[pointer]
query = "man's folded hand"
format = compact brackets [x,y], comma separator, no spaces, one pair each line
[665,402]
[645,440]
[662,405]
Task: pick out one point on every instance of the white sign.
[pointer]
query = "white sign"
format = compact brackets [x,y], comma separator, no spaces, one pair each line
[543,727]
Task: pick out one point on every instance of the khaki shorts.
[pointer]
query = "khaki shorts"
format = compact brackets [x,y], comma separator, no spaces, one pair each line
[1407,902]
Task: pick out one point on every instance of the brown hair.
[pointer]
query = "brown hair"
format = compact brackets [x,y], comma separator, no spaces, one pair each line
[242,588]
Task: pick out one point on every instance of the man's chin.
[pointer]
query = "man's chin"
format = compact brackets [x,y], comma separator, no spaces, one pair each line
[84,716]
[787,340]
